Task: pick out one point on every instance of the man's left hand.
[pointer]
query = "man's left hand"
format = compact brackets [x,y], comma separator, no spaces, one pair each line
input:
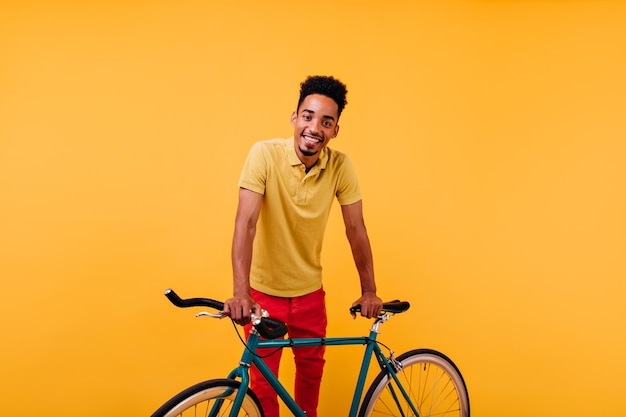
[371,305]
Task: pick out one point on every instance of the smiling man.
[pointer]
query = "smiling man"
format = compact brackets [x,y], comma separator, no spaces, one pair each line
[287,188]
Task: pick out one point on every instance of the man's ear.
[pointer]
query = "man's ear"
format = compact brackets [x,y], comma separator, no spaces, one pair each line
[336,131]
[294,116]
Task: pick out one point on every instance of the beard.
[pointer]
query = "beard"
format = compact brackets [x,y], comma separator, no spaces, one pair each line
[308,152]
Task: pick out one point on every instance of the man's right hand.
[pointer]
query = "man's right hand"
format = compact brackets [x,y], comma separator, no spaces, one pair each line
[240,308]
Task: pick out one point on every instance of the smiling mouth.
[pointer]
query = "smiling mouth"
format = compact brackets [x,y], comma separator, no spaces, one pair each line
[313,140]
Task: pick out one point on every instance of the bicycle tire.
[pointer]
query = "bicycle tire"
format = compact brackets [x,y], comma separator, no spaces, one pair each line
[199,399]
[432,381]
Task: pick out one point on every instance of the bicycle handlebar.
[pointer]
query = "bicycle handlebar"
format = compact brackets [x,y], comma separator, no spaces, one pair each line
[395,306]
[270,328]
[267,327]
[192,302]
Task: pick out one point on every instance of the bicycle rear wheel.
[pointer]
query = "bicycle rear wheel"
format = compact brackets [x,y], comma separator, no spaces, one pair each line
[211,398]
[431,380]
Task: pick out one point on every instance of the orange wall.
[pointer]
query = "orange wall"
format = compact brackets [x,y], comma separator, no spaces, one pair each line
[489,137]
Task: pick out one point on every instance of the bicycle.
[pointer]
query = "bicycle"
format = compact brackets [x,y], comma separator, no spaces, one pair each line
[420,383]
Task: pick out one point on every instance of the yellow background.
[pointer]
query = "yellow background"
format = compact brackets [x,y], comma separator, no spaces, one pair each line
[489,137]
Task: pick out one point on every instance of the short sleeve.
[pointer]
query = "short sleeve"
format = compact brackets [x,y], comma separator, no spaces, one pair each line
[348,190]
[254,173]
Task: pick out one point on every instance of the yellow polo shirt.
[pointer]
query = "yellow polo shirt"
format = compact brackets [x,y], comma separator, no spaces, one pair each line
[294,213]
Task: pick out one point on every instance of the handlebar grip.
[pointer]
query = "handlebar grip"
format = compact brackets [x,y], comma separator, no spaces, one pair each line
[192,302]
[394,306]
[270,328]
[267,327]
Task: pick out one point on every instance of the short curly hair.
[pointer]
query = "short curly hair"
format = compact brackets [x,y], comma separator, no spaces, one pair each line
[327,86]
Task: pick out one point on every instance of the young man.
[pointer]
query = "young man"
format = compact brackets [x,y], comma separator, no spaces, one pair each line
[286,191]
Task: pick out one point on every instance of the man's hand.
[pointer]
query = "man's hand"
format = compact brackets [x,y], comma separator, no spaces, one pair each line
[240,308]
[371,305]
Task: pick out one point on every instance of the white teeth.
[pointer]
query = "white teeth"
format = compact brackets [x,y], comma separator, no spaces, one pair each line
[310,139]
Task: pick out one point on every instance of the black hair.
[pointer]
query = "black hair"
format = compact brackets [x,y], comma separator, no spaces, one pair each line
[327,86]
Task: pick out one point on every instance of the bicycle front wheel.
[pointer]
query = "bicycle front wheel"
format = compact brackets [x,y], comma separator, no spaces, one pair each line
[431,380]
[210,398]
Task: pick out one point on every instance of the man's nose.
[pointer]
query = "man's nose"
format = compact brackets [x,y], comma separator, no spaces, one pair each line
[315,126]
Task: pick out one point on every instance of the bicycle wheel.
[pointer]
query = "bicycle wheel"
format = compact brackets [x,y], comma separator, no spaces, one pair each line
[432,381]
[210,398]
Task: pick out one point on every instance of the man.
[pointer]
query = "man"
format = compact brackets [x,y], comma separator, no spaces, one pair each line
[286,191]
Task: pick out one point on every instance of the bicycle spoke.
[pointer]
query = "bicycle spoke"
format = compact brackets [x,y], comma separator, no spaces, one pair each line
[432,385]
[213,398]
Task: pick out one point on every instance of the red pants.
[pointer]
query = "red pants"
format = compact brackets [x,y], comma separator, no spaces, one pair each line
[305,317]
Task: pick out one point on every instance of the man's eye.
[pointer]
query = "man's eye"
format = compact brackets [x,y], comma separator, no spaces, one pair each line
[328,124]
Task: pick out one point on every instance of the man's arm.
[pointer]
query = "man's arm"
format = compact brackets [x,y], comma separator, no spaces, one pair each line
[356,232]
[248,209]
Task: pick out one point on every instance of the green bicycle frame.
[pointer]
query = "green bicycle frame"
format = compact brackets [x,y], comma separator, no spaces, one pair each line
[249,358]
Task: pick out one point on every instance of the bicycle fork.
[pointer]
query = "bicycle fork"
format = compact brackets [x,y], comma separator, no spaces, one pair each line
[243,372]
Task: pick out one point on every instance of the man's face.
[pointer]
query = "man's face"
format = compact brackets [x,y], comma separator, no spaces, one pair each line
[315,124]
